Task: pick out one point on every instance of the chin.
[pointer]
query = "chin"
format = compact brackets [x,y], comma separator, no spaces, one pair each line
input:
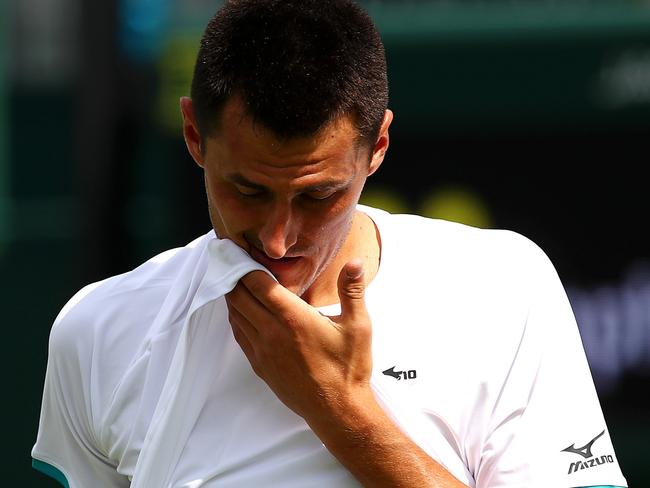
[295,289]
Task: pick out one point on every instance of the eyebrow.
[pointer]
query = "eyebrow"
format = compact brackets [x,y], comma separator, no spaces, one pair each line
[239,179]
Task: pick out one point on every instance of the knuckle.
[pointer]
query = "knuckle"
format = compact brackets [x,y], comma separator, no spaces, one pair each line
[354,291]
[255,282]
[255,287]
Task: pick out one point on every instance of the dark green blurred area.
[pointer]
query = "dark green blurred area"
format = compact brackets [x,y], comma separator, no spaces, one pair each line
[539,109]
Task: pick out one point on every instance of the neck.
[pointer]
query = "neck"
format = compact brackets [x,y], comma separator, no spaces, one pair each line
[363,243]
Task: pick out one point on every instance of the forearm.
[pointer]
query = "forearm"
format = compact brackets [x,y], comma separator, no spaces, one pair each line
[373,448]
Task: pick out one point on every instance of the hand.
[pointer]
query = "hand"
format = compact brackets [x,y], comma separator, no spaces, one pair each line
[320,368]
[314,364]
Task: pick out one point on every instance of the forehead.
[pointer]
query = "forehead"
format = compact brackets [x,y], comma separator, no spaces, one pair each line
[239,140]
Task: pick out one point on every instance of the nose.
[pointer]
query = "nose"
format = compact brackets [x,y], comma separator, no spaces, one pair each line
[277,233]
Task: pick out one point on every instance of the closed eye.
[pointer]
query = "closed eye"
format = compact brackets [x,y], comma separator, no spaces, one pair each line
[320,195]
[248,191]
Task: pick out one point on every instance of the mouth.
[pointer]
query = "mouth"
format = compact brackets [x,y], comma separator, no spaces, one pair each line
[275,266]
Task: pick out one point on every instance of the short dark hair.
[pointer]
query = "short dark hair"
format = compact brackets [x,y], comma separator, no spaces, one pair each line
[296,64]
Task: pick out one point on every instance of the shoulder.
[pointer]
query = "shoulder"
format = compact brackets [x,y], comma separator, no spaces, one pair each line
[483,281]
[450,246]
[106,322]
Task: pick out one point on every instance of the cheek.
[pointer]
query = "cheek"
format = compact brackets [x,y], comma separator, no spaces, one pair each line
[333,227]
[228,216]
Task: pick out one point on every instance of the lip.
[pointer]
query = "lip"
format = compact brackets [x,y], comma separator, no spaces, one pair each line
[275,266]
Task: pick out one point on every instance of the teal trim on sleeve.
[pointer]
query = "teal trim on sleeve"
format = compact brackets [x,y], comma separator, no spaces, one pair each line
[53,472]
[50,471]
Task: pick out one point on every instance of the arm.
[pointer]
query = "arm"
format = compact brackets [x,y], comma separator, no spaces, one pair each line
[546,411]
[320,368]
[66,447]
[367,442]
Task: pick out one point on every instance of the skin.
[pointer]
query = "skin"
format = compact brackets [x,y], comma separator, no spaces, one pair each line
[292,205]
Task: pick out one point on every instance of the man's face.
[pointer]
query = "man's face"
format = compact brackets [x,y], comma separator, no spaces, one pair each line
[291,203]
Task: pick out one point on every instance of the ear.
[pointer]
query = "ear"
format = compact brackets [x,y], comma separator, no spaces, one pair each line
[381,146]
[191,131]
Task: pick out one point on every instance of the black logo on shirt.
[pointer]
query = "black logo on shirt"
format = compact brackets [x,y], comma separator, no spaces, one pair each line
[398,375]
[585,451]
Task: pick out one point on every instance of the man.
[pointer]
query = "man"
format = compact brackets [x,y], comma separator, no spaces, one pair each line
[363,348]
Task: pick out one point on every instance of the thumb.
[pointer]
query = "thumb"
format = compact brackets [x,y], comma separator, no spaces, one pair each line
[351,288]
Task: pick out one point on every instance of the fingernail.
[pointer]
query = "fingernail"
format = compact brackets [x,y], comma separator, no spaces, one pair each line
[354,272]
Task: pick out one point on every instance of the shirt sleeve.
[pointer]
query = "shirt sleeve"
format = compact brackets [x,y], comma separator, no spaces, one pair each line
[547,426]
[66,446]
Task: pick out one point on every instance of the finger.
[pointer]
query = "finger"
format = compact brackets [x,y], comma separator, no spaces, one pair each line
[252,309]
[351,289]
[239,320]
[274,297]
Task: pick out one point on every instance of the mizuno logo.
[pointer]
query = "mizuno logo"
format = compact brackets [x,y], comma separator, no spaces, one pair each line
[398,375]
[590,463]
[585,452]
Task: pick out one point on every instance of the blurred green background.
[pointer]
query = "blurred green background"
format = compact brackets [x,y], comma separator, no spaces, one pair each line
[528,115]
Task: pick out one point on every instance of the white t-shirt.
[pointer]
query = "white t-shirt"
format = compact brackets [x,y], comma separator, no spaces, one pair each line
[475,348]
